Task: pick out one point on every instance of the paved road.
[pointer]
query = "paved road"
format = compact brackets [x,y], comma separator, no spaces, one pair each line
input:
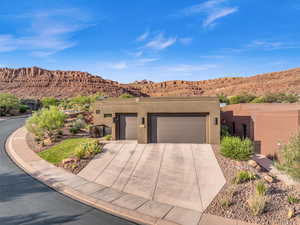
[25,201]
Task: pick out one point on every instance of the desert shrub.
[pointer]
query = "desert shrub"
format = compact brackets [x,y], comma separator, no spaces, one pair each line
[107,137]
[225,131]
[126,95]
[292,200]
[88,149]
[242,98]
[261,188]
[79,124]
[226,201]
[223,98]
[23,108]
[8,102]
[258,100]
[236,148]
[46,122]
[80,153]
[49,101]
[289,157]
[73,130]
[280,98]
[243,176]
[257,204]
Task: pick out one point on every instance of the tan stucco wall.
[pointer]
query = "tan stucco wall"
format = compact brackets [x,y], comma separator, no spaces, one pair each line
[145,106]
[268,124]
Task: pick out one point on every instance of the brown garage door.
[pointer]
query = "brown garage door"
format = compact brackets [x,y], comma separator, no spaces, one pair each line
[127,126]
[178,128]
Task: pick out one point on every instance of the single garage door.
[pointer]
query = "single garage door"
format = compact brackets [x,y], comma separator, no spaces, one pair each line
[178,128]
[127,126]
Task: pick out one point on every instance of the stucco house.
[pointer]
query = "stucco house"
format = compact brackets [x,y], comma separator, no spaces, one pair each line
[161,119]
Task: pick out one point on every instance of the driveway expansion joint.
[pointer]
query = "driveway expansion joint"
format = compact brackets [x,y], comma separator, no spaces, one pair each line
[65,183]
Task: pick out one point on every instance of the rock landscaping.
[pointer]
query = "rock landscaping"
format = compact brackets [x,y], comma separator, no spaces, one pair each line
[261,199]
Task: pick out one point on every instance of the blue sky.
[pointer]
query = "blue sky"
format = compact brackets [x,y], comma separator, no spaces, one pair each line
[152,39]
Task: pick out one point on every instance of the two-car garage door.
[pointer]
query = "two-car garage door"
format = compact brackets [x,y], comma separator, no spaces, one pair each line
[177,128]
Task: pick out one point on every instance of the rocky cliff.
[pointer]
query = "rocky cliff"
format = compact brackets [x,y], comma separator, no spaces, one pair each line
[36,83]
[286,81]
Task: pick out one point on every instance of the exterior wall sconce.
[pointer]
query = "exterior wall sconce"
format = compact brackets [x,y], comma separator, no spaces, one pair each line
[216,121]
[143,121]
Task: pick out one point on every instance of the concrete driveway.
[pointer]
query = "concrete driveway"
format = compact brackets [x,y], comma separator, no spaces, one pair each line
[184,175]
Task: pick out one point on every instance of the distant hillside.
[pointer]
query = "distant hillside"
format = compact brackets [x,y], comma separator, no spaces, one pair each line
[36,83]
[285,81]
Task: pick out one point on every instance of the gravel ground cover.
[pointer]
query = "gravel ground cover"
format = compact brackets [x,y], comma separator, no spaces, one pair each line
[277,207]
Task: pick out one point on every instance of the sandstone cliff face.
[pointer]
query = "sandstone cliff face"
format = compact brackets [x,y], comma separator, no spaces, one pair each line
[37,83]
[285,81]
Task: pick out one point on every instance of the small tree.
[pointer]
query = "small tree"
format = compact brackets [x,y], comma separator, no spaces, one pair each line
[47,102]
[8,102]
[223,98]
[289,157]
[46,122]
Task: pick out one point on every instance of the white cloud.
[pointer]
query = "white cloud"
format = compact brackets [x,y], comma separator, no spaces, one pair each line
[160,42]
[119,65]
[186,40]
[212,9]
[48,32]
[267,44]
[187,68]
[143,36]
[146,60]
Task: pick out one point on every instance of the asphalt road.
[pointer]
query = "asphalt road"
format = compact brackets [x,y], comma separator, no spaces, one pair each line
[26,201]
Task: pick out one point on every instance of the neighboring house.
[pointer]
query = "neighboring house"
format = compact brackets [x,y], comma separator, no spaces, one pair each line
[268,125]
[161,119]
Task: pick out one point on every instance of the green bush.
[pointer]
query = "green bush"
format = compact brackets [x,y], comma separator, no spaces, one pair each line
[8,102]
[88,149]
[243,176]
[225,131]
[23,108]
[46,122]
[261,188]
[243,98]
[73,130]
[223,98]
[47,102]
[126,95]
[107,137]
[289,157]
[292,200]
[236,148]
[280,98]
[80,153]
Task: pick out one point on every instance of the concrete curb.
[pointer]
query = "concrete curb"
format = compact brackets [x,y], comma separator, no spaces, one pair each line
[76,195]
[65,183]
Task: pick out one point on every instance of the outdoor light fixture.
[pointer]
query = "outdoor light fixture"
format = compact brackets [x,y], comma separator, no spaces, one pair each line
[142,120]
[216,121]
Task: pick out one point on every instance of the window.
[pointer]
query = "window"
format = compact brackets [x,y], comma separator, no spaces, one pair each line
[107,115]
[98,111]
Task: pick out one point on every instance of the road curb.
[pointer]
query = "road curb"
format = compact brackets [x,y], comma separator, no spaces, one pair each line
[68,190]
[108,207]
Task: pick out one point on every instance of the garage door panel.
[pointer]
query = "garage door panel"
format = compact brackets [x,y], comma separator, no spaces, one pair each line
[178,129]
[127,127]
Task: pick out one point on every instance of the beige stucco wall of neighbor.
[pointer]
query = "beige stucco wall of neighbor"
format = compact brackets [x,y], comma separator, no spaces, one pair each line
[268,124]
[145,106]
